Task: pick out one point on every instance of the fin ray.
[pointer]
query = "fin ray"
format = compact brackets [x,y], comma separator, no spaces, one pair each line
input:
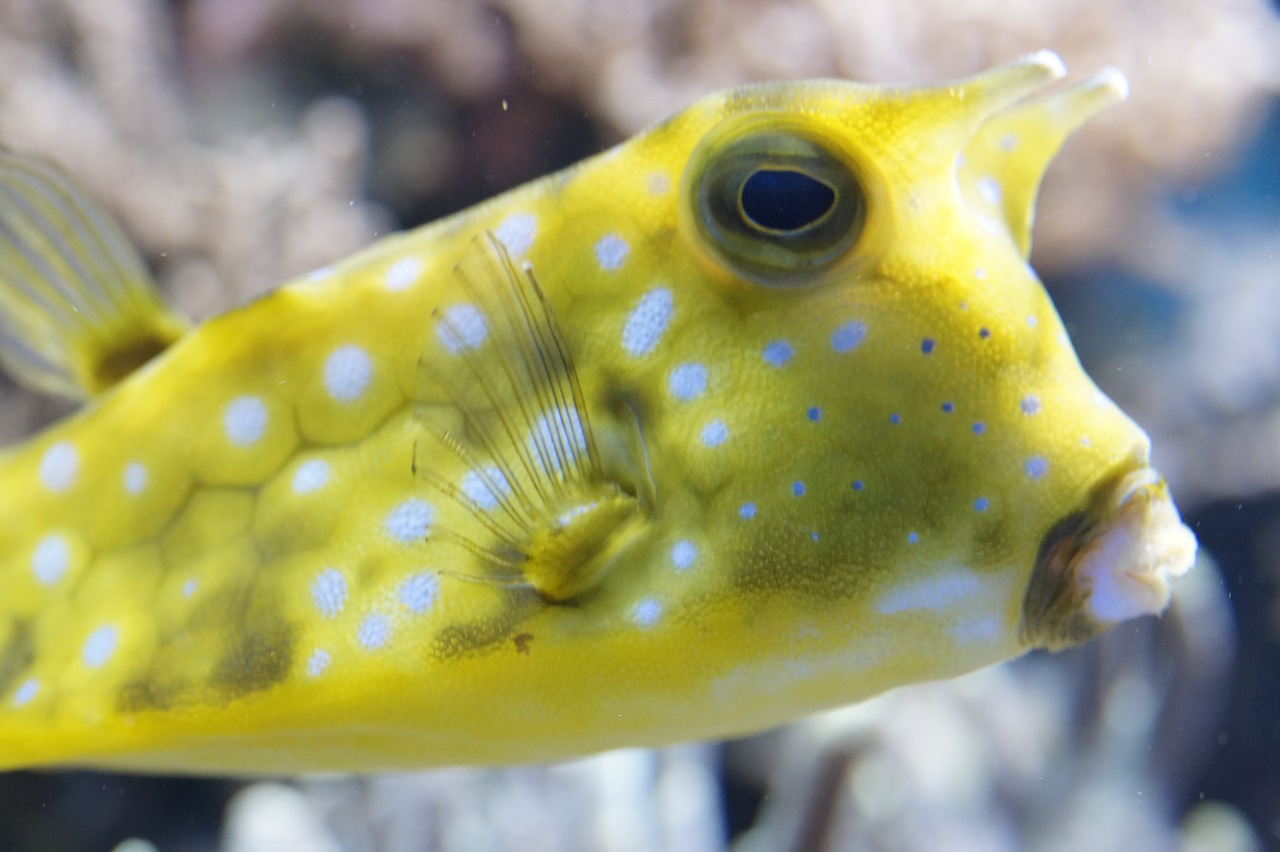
[506,367]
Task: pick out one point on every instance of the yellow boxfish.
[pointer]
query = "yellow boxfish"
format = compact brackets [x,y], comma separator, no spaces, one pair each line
[758,413]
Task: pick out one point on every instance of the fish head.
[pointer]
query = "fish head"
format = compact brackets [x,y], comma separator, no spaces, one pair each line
[866,401]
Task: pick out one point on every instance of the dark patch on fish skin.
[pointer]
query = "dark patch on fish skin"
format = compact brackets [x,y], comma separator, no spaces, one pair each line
[523,641]
[990,542]
[259,659]
[261,650]
[145,694]
[127,357]
[17,656]
[256,651]
[459,640]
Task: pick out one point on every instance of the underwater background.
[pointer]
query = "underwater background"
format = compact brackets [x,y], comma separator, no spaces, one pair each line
[242,142]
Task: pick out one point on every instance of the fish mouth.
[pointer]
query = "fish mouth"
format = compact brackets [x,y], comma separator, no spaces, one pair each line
[1108,563]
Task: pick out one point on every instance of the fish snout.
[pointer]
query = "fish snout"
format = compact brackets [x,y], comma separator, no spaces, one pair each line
[1109,563]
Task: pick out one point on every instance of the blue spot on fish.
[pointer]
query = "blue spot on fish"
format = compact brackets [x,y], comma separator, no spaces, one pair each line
[858,485]
[981,504]
[777,353]
[814,413]
[979,427]
[1036,467]
[848,336]
[747,511]
[687,381]
[714,433]
[948,407]
[926,345]
[797,489]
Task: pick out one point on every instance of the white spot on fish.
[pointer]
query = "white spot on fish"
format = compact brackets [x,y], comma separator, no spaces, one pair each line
[554,437]
[980,273]
[318,662]
[848,336]
[657,183]
[402,274]
[989,189]
[646,612]
[1008,142]
[516,232]
[462,327]
[683,554]
[50,559]
[100,645]
[932,593]
[611,251]
[189,588]
[647,322]
[1032,321]
[135,477]
[479,485]
[1030,404]
[346,373]
[715,433]
[409,521]
[329,592]
[777,353]
[1036,467]
[418,593]
[983,629]
[687,381]
[25,693]
[245,420]
[58,466]
[374,631]
[310,476]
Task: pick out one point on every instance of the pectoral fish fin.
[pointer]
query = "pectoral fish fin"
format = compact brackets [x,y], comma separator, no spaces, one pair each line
[1005,160]
[78,311]
[541,510]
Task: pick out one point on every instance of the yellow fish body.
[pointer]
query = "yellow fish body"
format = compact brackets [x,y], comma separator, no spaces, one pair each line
[759,413]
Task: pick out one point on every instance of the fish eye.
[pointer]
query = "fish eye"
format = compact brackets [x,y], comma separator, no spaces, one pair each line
[776,206]
[777,201]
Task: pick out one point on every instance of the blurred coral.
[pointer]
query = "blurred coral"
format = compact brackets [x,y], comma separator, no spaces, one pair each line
[94,88]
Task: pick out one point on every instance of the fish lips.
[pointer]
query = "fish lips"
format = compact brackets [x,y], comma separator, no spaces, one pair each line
[1108,563]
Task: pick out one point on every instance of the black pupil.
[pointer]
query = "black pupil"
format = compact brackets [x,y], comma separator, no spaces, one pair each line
[785,200]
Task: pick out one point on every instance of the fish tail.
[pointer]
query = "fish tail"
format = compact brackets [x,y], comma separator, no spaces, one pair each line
[78,310]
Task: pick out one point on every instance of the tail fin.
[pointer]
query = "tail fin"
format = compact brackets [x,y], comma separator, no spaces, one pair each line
[78,311]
